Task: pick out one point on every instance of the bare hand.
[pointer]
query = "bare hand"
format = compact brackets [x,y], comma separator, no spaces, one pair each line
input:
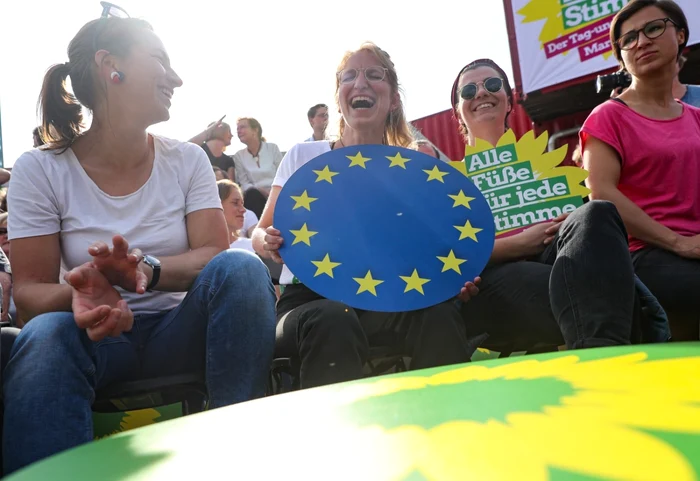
[536,238]
[470,289]
[688,247]
[6,283]
[120,268]
[97,306]
[616,92]
[273,241]
[216,130]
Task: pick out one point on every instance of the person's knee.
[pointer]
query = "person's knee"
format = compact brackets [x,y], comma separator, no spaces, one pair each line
[330,320]
[595,215]
[47,333]
[238,268]
[598,211]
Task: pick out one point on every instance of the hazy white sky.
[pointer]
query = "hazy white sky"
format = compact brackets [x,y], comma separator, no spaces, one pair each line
[269,59]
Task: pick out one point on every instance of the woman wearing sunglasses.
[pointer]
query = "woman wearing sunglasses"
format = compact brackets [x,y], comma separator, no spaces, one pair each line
[172,300]
[566,281]
[328,339]
[642,151]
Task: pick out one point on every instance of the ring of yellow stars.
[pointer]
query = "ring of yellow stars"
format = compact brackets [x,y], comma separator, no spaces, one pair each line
[303,235]
[435,174]
[325,174]
[303,200]
[461,199]
[325,266]
[398,161]
[367,284]
[357,159]
[414,282]
[451,262]
[468,231]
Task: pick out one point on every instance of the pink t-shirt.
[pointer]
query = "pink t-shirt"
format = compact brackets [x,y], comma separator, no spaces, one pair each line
[660,163]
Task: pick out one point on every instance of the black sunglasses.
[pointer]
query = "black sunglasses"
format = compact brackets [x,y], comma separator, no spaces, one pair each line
[491,84]
[108,10]
[3,230]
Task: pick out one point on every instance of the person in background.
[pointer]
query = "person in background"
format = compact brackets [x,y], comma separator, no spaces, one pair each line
[642,152]
[331,340]
[426,147]
[318,119]
[5,270]
[219,174]
[569,280]
[36,136]
[231,197]
[689,94]
[250,220]
[194,305]
[214,140]
[256,165]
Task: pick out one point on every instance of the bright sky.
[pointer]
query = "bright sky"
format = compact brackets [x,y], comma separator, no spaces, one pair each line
[267,59]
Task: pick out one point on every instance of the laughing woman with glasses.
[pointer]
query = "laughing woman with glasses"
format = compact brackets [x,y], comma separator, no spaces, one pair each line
[329,339]
[172,300]
[642,150]
[566,281]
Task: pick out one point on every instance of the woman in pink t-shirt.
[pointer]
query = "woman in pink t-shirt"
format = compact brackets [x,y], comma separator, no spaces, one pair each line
[643,153]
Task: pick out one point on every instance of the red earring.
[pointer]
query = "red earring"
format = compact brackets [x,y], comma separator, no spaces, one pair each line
[116,77]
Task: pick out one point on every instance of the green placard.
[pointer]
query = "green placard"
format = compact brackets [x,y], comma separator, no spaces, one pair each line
[522,183]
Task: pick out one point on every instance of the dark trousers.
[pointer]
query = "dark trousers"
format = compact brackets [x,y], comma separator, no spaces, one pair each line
[675,282]
[331,340]
[580,291]
[254,200]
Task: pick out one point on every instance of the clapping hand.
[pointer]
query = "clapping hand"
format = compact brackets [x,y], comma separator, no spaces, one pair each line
[120,267]
[97,306]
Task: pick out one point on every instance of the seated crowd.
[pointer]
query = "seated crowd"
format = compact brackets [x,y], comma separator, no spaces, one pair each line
[123,277]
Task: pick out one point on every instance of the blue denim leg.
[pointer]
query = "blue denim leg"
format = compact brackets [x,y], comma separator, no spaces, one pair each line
[49,385]
[225,327]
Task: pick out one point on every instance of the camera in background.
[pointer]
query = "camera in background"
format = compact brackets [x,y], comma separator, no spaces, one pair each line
[610,82]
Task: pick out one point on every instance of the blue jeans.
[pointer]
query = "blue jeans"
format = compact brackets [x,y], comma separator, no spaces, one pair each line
[224,327]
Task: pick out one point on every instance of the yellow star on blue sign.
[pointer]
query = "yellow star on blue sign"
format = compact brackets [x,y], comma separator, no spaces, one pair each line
[373,247]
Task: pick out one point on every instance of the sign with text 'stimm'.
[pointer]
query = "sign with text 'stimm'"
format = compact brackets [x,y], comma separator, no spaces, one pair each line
[521,182]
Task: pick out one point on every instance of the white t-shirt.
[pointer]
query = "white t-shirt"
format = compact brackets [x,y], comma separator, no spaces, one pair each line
[249,174]
[52,193]
[297,156]
[243,243]
[249,220]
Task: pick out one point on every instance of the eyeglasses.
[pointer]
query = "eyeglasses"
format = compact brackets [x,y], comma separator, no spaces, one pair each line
[3,230]
[108,10]
[491,84]
[372,74]
[651,30]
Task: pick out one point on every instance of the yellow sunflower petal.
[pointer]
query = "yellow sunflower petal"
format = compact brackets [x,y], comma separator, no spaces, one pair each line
[579,444]
[470,450]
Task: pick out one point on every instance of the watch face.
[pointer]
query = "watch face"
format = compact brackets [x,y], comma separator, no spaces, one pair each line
[151,261]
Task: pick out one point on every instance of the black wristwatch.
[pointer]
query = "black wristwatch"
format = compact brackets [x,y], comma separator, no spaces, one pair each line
[154,264]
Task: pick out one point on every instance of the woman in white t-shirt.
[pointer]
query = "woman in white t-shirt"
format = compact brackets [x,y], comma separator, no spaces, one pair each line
[329,339]
[173,300]
[231,198]
[256,165]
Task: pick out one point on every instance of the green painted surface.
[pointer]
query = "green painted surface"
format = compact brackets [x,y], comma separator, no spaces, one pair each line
[629,413]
